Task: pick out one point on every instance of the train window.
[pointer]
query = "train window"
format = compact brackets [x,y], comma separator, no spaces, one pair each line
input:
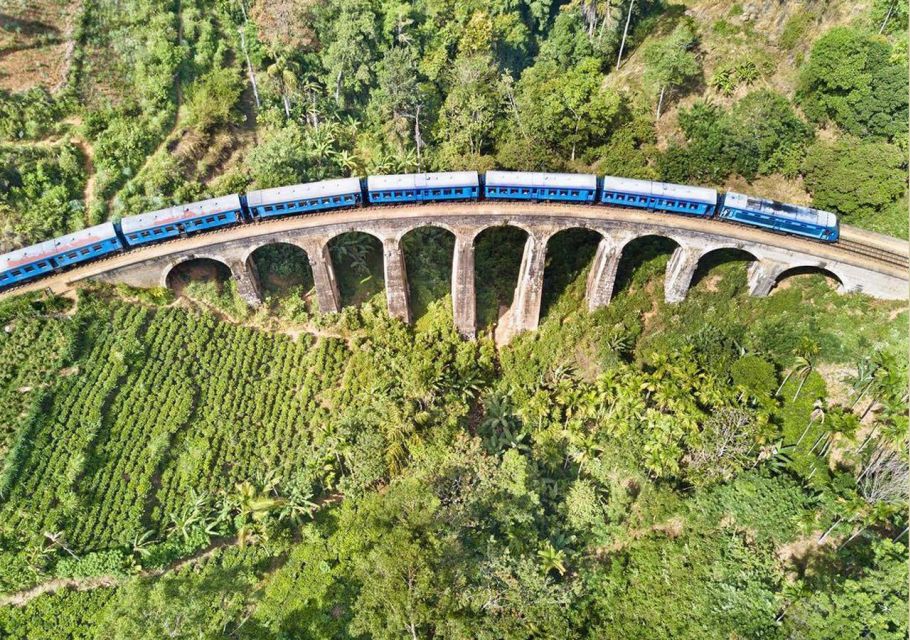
[29,268]
[97,247]
[222,216]
[84,252]
[17,272]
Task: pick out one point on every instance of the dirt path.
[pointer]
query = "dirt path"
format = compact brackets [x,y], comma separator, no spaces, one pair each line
[21,598]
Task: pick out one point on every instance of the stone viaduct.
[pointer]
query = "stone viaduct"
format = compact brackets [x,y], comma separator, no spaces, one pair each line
[773,254]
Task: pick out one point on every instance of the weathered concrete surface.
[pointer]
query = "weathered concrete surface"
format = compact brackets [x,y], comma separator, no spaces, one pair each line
[464,302]
[884,277]
[396,280]
[529,290]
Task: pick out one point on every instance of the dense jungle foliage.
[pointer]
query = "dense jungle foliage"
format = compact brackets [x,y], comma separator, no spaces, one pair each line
[166,102]
[726,467]
[175,464]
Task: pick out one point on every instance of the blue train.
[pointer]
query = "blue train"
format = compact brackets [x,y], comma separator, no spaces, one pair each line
[33,262]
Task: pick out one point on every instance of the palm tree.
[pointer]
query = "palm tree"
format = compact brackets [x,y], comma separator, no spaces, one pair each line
[347,160]
[552,559]
[818,413]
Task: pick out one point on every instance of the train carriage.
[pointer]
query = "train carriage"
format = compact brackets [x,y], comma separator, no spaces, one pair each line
[304,198]
[779,216]
[555,187]
[662,196]
[81,246]
[182,219]
[27,263]
[87,244]
[423,187]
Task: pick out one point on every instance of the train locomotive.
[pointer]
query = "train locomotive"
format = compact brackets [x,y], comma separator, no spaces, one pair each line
[36,261]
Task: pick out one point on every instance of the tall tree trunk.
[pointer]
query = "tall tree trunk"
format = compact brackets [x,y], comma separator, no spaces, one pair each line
[249,66]
[625,32]
[287,104]
[825,535]
[887,17]
[338,88]
[417,140]
[660,101]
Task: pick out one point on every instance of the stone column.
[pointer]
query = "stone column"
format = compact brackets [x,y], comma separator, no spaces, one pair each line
[680,270]
[327,296]
[602,277]
[529,291]
[247,280]
[763,275]
[464,300]
[396,280]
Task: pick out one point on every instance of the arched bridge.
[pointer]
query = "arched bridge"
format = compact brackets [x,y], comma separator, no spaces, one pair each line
[864,262]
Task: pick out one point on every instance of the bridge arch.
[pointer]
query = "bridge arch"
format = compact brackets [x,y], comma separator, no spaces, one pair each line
[501,249]
[204,267]
[358,257]
[717,256]
[280,266]
[562,267]
[428,251]
[809,270]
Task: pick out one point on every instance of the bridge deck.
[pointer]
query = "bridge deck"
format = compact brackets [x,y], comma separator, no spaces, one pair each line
[860,248]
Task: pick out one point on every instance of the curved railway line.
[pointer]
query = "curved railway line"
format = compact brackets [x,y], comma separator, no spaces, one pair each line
[883,254]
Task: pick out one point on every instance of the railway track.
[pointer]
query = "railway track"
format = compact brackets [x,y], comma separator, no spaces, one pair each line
[889,253]
[876,253]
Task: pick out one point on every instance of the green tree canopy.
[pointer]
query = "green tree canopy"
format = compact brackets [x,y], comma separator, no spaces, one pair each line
[852,80]
[853,177]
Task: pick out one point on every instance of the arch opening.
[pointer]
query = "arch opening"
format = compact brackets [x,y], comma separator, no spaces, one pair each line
[497,261]
[724,268]
[283,270]
[644,259]
[194,273]
[570,253]
[809,276]
[357,258]
[428,255]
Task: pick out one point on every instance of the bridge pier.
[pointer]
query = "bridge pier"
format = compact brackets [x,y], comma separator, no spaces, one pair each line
[327,296]
[602,278]
[396,280]
[529,290]
[763,275]
[464,302]
[680,270]
[247,280]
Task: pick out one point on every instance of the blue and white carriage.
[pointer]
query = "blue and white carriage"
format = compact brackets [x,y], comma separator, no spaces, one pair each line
[523,185]
[30,262]
[779,216]
[182,219]
[304,198]
[662,196]
[423,187]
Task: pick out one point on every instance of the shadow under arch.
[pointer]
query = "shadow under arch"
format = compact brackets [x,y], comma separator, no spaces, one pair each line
[357,259]
[200,269]
[428,254]
[570,253]
[733,257]
[498,251]
[281,268]
[642,259]
[808,273]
